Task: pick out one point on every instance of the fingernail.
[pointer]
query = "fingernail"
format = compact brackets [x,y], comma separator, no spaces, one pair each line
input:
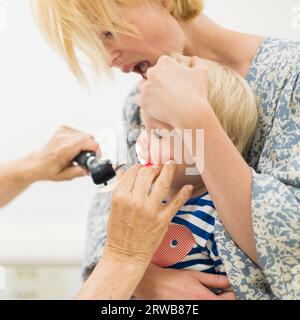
[190,187]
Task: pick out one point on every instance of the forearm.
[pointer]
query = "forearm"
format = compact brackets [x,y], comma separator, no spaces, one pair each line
[15,177]
[148,284]
[112,279]
[228,178]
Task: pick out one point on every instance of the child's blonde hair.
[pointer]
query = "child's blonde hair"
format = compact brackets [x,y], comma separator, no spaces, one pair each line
[74,24]
[233,102]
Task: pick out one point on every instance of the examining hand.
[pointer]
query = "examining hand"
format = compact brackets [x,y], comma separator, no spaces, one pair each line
[54,161]
[138,220]
[171,284]
[173,88]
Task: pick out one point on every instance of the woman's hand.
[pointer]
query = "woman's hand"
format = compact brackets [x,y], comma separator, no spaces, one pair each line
[54,160]
[138,219]
[171,284]
[175,89]
[137,224]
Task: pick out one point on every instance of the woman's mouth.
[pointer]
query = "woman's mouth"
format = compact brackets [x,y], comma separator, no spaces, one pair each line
[141,68]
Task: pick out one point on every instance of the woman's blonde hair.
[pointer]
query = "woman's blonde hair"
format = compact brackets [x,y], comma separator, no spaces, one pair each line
[233,102]
[74,24]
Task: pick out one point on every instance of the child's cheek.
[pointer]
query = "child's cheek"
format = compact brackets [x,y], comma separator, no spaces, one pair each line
[142,150]
[155,155]
[160,152]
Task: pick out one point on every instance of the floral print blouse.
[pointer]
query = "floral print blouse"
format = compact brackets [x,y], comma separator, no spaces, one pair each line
[275,158]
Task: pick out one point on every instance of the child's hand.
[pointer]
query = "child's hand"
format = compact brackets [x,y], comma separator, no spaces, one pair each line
[170,284]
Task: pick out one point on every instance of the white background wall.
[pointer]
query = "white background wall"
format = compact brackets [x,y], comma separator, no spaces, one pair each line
[38,93]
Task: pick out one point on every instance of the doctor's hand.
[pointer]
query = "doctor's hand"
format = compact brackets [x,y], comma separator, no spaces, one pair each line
[138,220]
[54,161]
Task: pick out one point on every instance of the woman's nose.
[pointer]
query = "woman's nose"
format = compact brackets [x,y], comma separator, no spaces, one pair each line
[114,58]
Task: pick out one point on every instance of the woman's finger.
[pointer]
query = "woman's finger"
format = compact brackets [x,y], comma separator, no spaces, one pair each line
[213,280]
[207,294]
[144,181]
[127,180]
[178,201]
[164,181]
[197,62]
[181,59]
[120,173]
[228,296]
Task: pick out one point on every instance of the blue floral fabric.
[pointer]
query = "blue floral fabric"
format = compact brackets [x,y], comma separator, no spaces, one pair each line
[275,159]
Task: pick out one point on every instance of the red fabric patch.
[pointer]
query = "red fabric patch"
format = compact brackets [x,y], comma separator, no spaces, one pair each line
[176,245]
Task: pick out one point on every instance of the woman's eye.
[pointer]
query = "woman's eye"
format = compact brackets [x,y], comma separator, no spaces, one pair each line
[108,35]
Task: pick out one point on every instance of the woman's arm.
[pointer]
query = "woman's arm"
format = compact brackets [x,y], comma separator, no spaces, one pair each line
[15,177]
[228,178]
[113,279]
[53,162]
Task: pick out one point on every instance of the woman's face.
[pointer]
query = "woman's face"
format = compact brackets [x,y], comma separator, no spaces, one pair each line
[160,32]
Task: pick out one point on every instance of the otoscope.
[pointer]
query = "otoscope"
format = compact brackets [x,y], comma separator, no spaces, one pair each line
[101,171]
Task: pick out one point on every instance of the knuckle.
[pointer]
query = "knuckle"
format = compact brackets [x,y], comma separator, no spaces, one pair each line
[118,198]
[178,201]
[164,186]
[83,139]
[138,206]
[91,137]
[221,279]
[154,171]
[63,127]
[87,137]
[162,219]
[143,171]
[164,59]
[150,72]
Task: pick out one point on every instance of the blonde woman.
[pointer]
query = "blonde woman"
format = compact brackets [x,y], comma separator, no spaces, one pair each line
[257,197]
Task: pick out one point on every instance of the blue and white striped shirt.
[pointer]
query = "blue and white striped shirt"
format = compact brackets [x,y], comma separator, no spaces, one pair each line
[189,242]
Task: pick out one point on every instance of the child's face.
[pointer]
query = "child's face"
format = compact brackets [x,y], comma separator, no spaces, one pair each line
[159,143]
